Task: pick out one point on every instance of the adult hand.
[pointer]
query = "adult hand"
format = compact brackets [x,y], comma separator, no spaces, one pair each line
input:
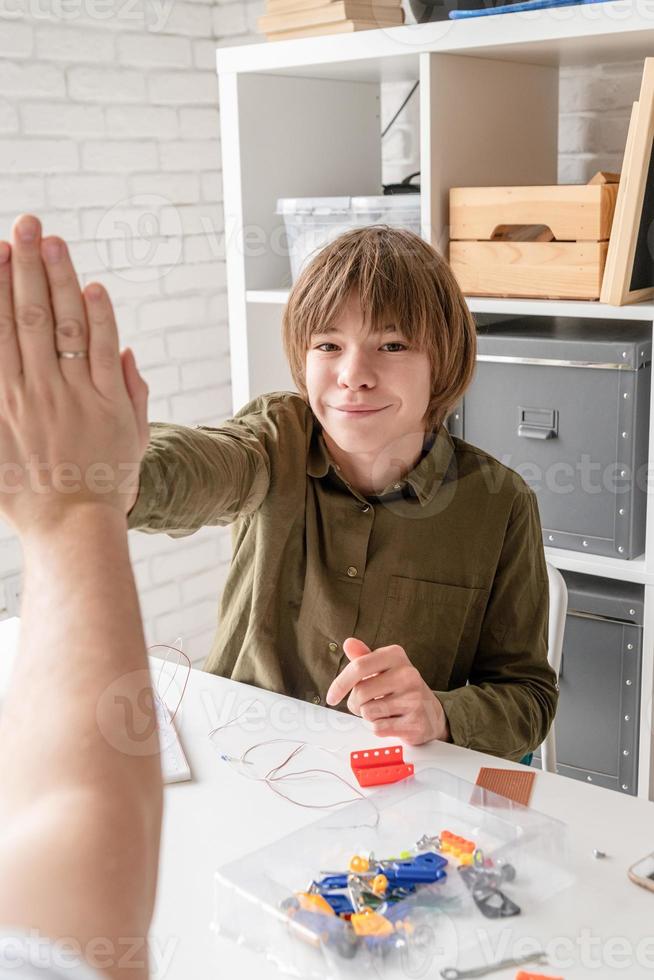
[386,690]
[72,430]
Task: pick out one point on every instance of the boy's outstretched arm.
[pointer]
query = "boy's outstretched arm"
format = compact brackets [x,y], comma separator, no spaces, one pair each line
[80,795]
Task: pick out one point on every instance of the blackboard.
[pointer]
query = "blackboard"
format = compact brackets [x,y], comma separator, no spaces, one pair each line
[642,276]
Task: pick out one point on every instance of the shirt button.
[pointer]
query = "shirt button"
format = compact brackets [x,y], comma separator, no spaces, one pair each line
[316,699]
[397,486]
[333,647]
[365,508]
[352,571]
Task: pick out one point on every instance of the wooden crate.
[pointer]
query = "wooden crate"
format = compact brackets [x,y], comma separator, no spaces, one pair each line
[543,242]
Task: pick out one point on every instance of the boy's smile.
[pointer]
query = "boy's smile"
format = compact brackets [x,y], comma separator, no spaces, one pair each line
[370,392]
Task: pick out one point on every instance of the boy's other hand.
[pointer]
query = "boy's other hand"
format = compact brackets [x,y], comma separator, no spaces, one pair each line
[72,430]
[386,690]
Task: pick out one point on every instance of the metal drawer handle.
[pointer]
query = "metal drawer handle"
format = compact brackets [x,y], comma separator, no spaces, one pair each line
[535,432]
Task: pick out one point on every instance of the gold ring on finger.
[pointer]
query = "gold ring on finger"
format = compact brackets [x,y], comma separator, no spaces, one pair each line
[69,354]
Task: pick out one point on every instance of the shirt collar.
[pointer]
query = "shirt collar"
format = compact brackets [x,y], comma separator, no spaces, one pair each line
[425,478]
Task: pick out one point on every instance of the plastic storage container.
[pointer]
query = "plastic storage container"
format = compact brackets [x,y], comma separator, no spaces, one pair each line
[565,402]
[253,894]
[312,222]
[597,720]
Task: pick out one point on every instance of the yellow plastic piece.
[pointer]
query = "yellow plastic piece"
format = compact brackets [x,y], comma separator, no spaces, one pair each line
[309,902]
[359,864]
[371,924]
[465,859]
[379,884]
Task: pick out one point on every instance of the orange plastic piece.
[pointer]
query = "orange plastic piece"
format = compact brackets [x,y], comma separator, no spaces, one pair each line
[378,767]
[459,848]
[523,975]
[371,924]
[309,902]
[359,864]
[379,884]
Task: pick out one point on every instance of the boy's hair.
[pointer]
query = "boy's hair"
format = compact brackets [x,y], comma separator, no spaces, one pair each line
[399,278]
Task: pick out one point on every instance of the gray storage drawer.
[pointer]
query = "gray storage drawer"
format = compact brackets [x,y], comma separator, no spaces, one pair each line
[565,402]
[597,721]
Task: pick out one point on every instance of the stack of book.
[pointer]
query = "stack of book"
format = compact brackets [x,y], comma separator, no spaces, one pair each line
[303,18]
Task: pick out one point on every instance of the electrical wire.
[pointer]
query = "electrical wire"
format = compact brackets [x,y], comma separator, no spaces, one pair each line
[276,773]
[388,126]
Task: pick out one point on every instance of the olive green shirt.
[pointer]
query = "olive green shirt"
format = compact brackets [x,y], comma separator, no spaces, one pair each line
[447,562]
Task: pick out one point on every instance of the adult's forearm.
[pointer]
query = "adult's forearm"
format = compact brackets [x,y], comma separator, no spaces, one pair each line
[81,633]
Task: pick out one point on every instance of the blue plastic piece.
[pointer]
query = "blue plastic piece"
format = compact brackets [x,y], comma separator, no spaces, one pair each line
[332,883]
[512,8]
[423,869]
[340,904]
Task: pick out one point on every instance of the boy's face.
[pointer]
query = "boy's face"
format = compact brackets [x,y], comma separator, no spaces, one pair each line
[380,372]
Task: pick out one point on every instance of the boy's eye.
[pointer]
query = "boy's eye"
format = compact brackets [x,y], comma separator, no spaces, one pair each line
[396,344]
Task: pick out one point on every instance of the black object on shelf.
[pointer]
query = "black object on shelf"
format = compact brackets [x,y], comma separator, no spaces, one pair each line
[405,187]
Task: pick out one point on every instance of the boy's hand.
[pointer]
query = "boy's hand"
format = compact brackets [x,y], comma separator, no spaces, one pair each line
[388,691]
[72,430]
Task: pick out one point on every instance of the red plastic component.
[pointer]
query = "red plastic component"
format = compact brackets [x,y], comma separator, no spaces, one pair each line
[523,975]
[377,767]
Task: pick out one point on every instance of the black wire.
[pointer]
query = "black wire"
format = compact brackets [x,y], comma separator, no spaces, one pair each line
[400,109]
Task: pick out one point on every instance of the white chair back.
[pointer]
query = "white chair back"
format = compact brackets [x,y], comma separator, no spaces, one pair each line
[556,625]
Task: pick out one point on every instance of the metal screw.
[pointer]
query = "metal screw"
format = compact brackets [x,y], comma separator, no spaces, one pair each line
[630,646]
[625,786]
[625,752]
[620,548]
[632,612]
[627,717]
[550,537]
[624,435]
[621,512]
[626,394]
[623,472]
[585,544]
[628,683]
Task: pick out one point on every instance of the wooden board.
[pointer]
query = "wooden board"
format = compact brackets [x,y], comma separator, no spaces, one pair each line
[629,274]
[291,6]
[540,270]
[573,212]
[327,13]
[340,27]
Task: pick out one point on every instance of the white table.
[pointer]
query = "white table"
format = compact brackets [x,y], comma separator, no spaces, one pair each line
[602,922]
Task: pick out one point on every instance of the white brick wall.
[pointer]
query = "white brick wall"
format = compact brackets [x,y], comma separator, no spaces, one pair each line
[109,119]
[109,123]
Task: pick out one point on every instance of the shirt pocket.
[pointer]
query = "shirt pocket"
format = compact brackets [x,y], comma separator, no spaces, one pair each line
[436,624]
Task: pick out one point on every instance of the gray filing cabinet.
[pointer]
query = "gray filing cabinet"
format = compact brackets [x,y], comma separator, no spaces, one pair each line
[565,402]
[597,721]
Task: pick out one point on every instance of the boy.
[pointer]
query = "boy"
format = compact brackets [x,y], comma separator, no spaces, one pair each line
[356,514]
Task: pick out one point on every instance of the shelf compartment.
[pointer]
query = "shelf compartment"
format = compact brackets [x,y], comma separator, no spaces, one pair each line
[511,307]
[616,568]
[580,35]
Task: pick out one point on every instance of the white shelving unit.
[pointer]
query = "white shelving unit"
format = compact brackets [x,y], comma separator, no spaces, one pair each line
[301,118]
